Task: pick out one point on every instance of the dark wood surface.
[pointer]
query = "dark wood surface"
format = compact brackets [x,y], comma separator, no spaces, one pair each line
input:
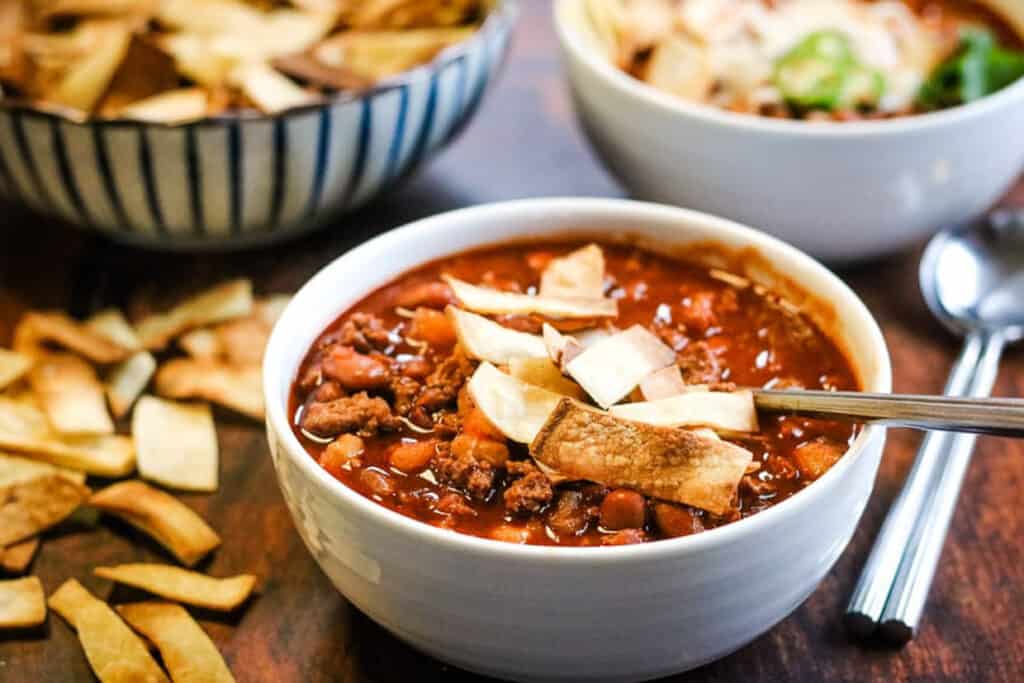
[524,143]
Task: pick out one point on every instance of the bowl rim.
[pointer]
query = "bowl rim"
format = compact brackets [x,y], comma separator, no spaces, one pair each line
[434,227]
[503,15]
[572,45]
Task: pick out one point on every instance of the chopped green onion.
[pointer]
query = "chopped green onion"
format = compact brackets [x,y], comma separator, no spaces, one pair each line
[821,72]
[978,68]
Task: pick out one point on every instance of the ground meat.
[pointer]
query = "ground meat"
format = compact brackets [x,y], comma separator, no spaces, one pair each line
[365,332]
[311,378]
[357,371]
[624,537]
[571,515]
[454,505]
[447,425]
[674,335]
[755,484]
[359,414]
[699,364]
[328,391]
[429,294]
[404,391]
[531,490]
[443,384]
[463,472]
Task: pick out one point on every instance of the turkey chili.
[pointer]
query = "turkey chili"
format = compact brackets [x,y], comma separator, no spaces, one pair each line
[569,394]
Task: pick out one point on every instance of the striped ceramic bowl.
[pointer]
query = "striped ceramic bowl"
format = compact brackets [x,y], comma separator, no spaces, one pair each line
[236,181]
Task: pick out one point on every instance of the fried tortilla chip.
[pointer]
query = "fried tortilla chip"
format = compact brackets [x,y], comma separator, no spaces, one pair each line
[201,344]
[182,585]
[376,55]
[25,429]
[29,507]
[114,652]
[188,653]
[111,324]
[22,603]
[172,107]
[484,300]
[15,470]
[88,78]
[663,383]
[723,411]
[13,366]
[611,368]
[543,373]
[165,518]
[241,341]
[578,275]
[516,408]
[91,340]
[15,558]
[485,339]
[71,394]
[237,388]
[268,89]
[175,444]
[226,301]
[672,464]
[127,380]
[145,71]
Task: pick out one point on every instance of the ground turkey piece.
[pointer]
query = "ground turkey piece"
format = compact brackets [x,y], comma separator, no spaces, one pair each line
[359,414]
[454,505]
[699,364]
[443,384]
[463,472]
[529,492]
[366,332]
[570,515]
[404,390]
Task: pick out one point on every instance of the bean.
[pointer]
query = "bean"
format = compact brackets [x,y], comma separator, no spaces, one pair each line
[430,294]
[432,327]
[342,453]
[412,457]
[676,520]
[494,452]
[356,371]
[623,509]
[377,482]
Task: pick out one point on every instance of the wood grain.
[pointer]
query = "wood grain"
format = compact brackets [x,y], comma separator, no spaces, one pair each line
[524,143]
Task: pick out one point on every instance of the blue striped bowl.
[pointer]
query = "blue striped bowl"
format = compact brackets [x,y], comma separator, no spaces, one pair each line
[236,181]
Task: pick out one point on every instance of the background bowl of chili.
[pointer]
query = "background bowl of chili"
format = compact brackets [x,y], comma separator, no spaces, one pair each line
[530,612]
[842,191]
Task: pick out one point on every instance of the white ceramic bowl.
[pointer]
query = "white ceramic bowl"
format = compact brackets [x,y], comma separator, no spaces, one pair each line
[238,180]
[840,191]
[560,614]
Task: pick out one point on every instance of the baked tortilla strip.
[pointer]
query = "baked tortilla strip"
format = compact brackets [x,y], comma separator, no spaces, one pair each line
[112,324]
[127,380]
[14,469]
[671,464]
[182,585]
[579,274]
[517,409]
[115,653]
[226,301]
[38,327]
[485,339]
[71,394]
[189,460]
[541,372]
[611,368]
[16,558]
[188,653]
[29,507]
[13,366]
[723,411]
[172,523]
[484,300]
[22,603]
[237,388]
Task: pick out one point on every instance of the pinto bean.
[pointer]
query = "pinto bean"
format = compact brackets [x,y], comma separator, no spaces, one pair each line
[356,371]
[341,453]
[481,448]
[623,509]
[429,294]
[377,482]
[432,327]
[676,520]
[412,457]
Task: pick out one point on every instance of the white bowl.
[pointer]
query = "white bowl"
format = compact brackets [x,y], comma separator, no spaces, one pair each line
[239,180]
[840,191]
[561,614]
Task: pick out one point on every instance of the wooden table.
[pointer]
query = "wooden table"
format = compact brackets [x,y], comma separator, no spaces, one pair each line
[524,143]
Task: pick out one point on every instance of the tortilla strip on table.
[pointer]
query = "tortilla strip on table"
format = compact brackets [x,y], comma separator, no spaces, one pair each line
[188,460]
[71,394]
[22,603]
[484,300]
[186,650]
[29,507]
[226,301]
[182,585]
[15,558]
[175,525]
[88,340]
[579,274]
[13,366]
[671,464]
[15,469]
[234,387]
[114,652]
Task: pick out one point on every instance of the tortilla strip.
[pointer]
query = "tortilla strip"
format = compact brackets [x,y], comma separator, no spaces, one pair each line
[376,55]
[71,394]
[25,429]
[201,344]
[226,301]
[516,408]
[22,603]
[29,507]
[87,78]
[611,368]
[237,388]
[672,464]
[13,366]
[484,300]
[165,518]
[111,324]
[127,380]
[241,341]
[114,652]
[15,470]
[723,411]
[174,106]
[38,327]
[543,373]
[578,275]
[16,557]
[485,339]
[182,585]
[188,653]
[175,444]
[663,383]
[271,91]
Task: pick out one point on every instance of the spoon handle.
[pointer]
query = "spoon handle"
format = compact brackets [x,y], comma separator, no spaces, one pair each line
[1000,417]
[876,578]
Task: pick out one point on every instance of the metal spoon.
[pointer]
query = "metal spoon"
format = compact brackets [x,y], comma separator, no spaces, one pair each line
[972,279]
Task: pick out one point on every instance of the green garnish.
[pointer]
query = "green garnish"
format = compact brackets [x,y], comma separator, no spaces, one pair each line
[821,72]
[978,68]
